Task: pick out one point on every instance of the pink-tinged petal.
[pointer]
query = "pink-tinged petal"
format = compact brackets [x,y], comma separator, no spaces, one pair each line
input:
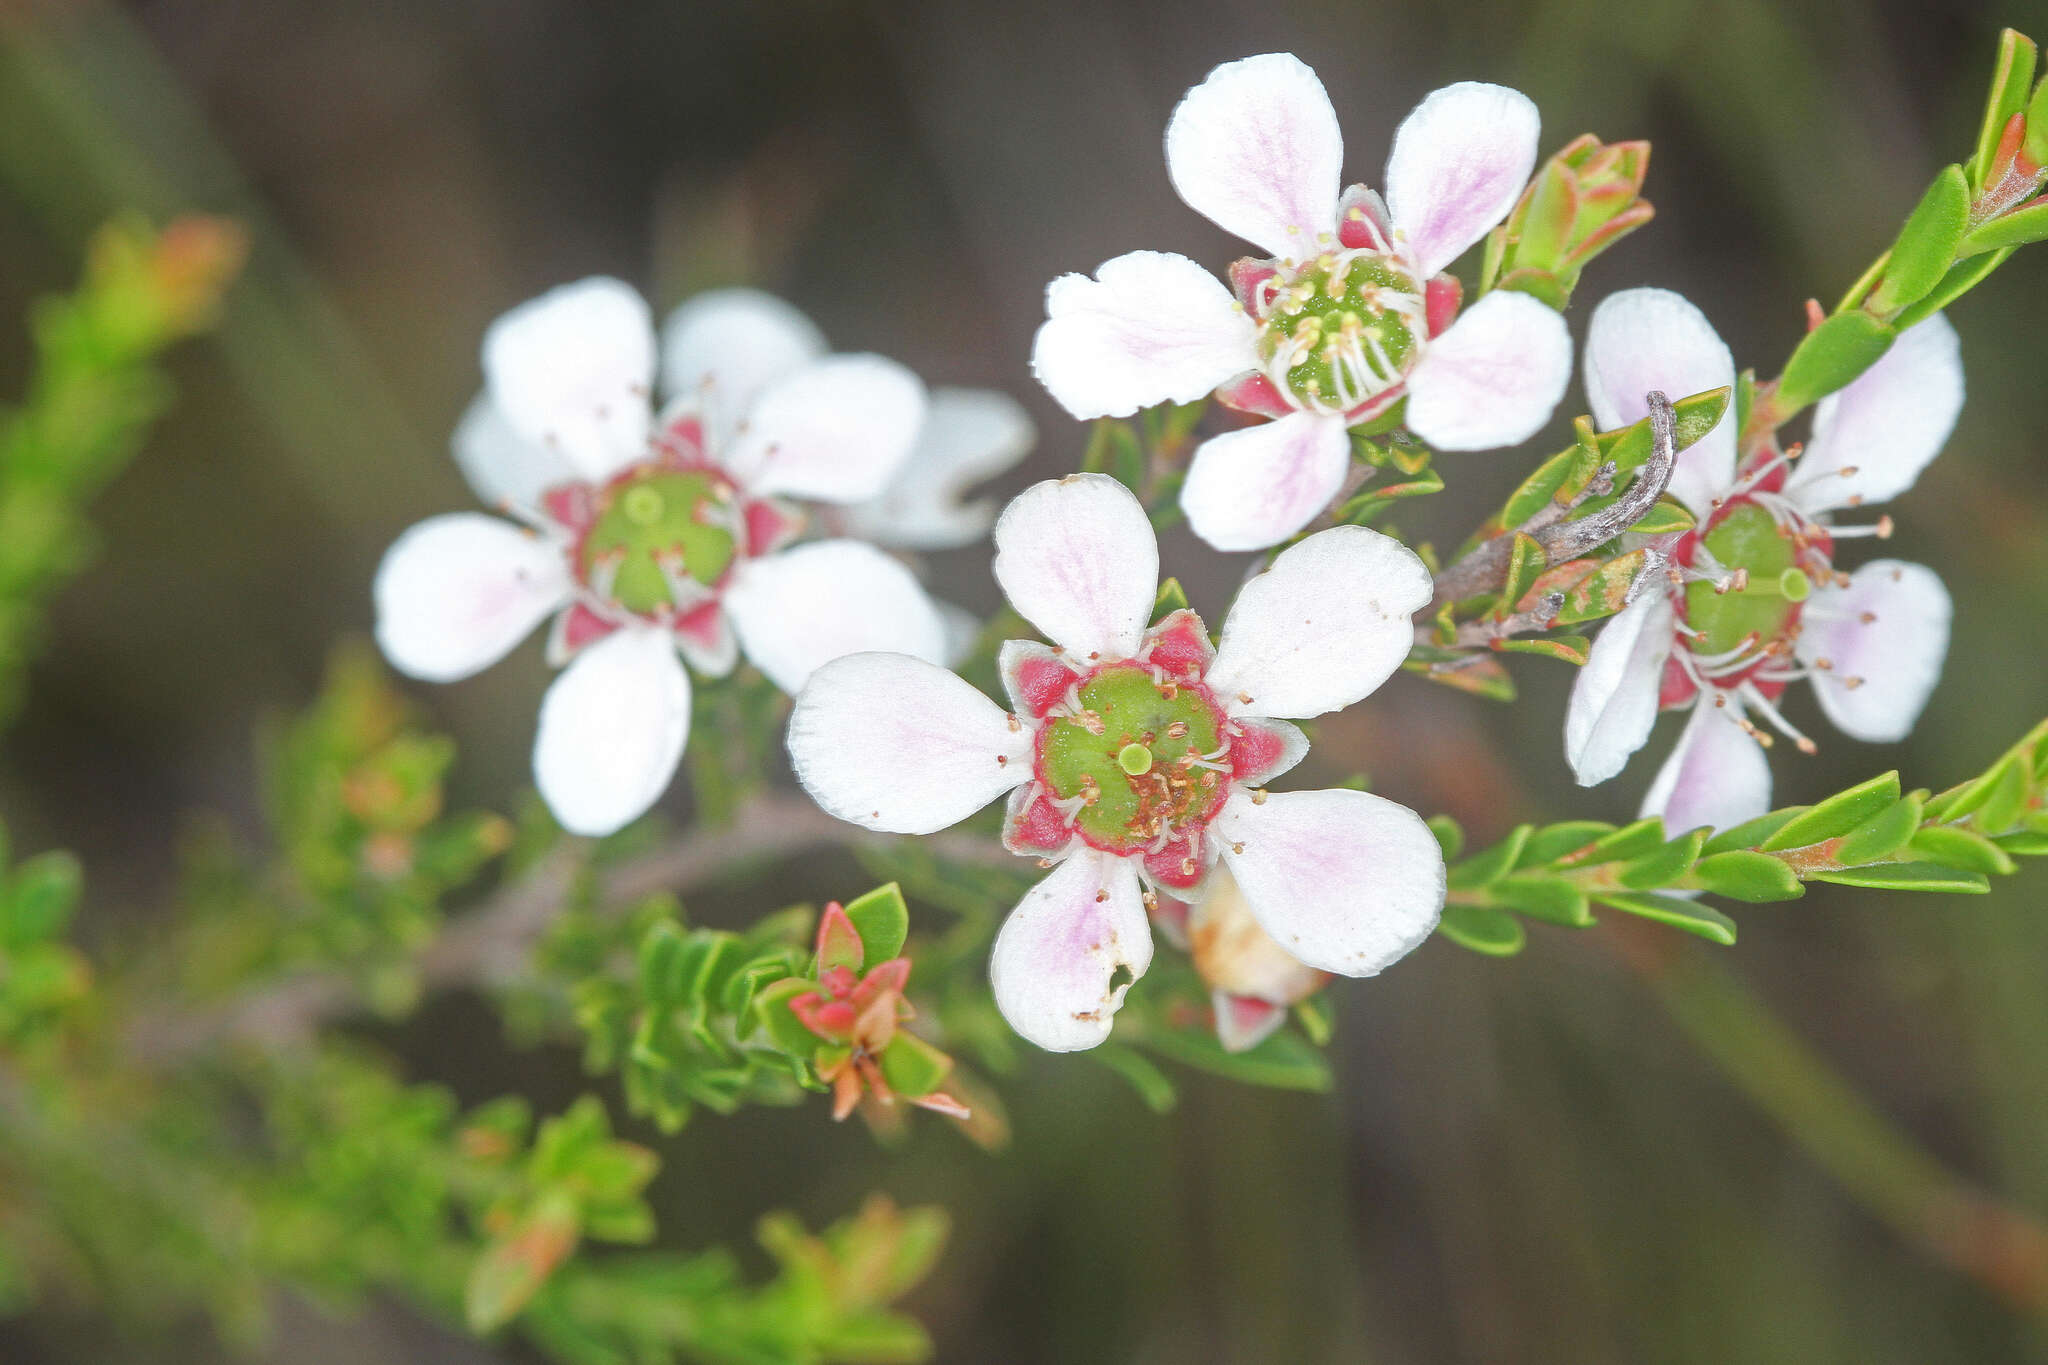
[1182,863]
[506,468]
[1363,222]
[612,728]
[1493,378]
[1253,393]
[1255,487]
[574,371]
[722,348]
[1151,327]
[705,636]
[1235,955]
[1323,627]
[1035,676]
[1180,645]
[1443,296]
[1716,778]
[808,606]
[771,524]
[1243,1021]
[1343,880]
[1248,275]
[1884,639]
[1059,955]
[969,435]
[837,430]
[1077,558]
[1887,426]
[1034,827]
[1256,150]
[573,631]
[456,593]
[1614,698]
[1263,749]
[893,743]
[1460,160]
[1644,339]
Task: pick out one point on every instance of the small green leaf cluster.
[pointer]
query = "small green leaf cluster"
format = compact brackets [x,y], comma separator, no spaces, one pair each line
[41,975]
[1147,454]
[1581,201]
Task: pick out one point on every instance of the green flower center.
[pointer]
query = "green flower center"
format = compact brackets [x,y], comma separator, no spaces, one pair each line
[1142,757]
[681,519]
[1747,537]
[1341,329]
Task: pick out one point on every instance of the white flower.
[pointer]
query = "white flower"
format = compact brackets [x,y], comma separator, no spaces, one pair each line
[1754,601]
[651,533]
[1136,755]
[1351,313]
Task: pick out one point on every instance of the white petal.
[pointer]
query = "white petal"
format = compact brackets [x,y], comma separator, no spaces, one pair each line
[1151,327]
[808,606]
[1494,378]
[1255,487]
[456,593]
[1887,426]
[1644,339]
[1323,627]
[1256,150]
[1897,653]
[1061,949]
[835,431]
[894,743]
[612,728]
[505,468]
[1344,880]
[1717,777]
[1614,698]
[1460,160]
[969,435]
[573,369]
[1077,559]
[723,347]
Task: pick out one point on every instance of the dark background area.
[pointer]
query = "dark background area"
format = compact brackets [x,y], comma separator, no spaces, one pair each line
[1525,1160]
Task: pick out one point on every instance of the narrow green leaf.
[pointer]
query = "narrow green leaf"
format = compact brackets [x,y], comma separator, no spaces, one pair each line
[779,1021]
[1526,562]
[1832,355]
[2027,843]
[1750,833]
[1569,649]
[2011,75]
[1883,834]
[1747,876]
[1676,911]
[2024,225]
[1906,877]
[1544,898]
[913,1067]
[1155,1089]
[1553,842]
[1483,869]
[1317,1017]
[1666,865]
[1483,929]
[1284,1061]
[1960,280]
[1450,836]
[2009,796]
[1604,591]
[1171,598]
[1665,517]
[1927,244]
[883,921]
[1968,798]
[39,903]
[1838,814]
[1953,846]
[1630,841]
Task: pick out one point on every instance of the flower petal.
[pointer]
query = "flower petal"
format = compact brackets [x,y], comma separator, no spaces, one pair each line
[1344,880]
[505,468]
[1460,160]
[969,435]
[456,593]
[1255,487]
[1151,327]
[1058,955]
[723,347]
[1887,426]
[1717,777]
[612,729]
[808,606]
[894,743]
[1614,698]
[1644,339]
[1888,629]
[1256,150]
[1493,378]
[1077,559]
[1323,627]
[838,430]
[573,369]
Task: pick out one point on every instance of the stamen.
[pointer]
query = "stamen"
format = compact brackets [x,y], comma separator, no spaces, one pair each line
[1754,698]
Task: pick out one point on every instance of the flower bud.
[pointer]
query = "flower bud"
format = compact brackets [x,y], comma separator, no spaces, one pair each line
[1579,203]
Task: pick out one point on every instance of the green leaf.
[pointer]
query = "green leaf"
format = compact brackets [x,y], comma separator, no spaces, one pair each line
[779,1021]
[883,921]
[1630,841]
[1372,502]
[1483,869]
[513,1267]
[1483,929]
[1171,598]
[1832,355]
[2010,77]
[1665,517]
[2009,795]
[1750,833]
[1746,876]
[2027,843]
[2024,225]
[1449,836]
[1569,649]
[1526,562]
[1692,418]
[1838,814]
[1154,1087]
[1906,877]
[1926,245]
[1284,1061]
[1676,911]
[1666,865]
[1317,1017]
[1604,591]
[1953,846]
[41,898]
[913,1067]
[1544,898]
[1960,280]
[1883,834]
[1553,842]
[1969,798]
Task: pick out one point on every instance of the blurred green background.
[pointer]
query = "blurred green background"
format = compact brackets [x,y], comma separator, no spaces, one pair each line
[1526,1160]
